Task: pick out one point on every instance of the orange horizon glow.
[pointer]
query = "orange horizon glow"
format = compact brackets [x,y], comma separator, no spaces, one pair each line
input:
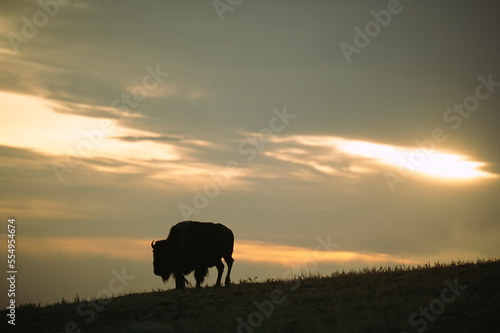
[264,252]
[244,250]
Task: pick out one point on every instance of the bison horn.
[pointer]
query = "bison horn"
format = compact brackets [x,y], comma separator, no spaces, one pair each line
[153,244]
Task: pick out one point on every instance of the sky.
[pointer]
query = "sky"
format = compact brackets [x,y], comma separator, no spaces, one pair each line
[327,135]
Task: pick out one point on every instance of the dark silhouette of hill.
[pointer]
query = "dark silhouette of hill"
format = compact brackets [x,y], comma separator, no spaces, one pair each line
[455,297]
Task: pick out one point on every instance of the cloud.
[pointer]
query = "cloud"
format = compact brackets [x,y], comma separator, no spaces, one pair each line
[197,93]
[148,138]
[167,89]
[35,125]
[343,157]
[264,252]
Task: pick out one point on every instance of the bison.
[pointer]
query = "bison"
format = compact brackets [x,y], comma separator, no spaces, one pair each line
[193,246]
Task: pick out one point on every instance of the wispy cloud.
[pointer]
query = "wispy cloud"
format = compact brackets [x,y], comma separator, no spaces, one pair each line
[167,89]
[338,156]
[148,138]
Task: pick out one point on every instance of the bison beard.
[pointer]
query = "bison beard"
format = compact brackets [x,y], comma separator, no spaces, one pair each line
[194,246]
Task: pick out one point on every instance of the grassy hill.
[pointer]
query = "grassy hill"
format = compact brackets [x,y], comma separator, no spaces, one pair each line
[456,297]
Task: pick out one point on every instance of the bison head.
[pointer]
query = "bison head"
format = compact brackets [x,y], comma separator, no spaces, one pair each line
[163,259]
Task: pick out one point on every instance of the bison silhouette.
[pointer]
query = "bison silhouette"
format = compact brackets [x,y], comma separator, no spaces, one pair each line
[194,246]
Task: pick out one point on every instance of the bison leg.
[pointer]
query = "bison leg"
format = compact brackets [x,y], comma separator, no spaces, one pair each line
[199,275]
[220,270]
[229,261]
[179,281]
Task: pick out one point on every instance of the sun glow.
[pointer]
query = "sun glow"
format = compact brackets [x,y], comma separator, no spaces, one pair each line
[430,163]
[365,157]
[453,166]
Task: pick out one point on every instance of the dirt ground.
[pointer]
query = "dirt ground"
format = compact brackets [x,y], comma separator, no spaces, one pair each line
[460,297]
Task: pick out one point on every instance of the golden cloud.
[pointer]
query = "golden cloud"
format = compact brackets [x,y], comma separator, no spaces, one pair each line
[244,250]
